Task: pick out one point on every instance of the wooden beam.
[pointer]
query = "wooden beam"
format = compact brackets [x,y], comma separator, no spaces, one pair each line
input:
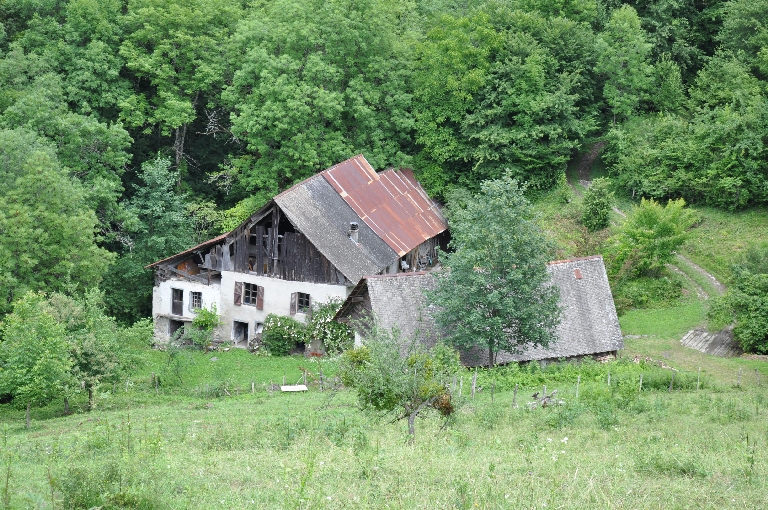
[190,276]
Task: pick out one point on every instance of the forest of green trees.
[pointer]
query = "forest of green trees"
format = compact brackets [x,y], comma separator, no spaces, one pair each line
[133,129]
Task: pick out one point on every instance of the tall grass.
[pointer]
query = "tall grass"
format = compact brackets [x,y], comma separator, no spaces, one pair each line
[612,446]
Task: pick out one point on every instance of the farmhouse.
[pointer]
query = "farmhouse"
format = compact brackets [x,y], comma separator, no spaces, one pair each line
[589,325]
[310,243]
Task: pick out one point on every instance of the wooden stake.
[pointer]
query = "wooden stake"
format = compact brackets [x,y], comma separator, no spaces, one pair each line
[698,379]
[461,385]
[283,379]
[738,381]
[453,385]
[578,381]
[157,391]
[757,376]
[514,397]
[474,383]
[609,378]
[253,387]
[641,383]
[493,387]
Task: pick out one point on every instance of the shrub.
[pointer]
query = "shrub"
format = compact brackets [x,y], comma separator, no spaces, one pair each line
[334,336]
[598,201]
[647,292]
[200,333]
[283,334]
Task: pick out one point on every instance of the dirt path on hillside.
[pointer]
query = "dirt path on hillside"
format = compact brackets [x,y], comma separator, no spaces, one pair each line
[700,292]
[714,281]
[584,170]
[587,160]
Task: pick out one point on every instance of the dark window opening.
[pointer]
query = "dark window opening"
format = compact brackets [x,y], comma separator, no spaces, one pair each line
[196,300]
[174,326]
[177,301]
[239,332]
[303,303]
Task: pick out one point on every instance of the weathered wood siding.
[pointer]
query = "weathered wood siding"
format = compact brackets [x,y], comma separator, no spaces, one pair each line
[262,251]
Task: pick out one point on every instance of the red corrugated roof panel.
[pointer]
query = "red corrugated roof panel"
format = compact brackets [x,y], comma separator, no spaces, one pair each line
[391,203]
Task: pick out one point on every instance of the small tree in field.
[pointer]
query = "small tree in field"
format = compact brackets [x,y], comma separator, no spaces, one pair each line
[34,354]
[598,201]
[649,237]
[400,377]
[495,291]
[100,350]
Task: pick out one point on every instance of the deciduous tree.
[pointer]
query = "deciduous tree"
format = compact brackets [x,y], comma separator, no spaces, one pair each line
[34,354]
[495,291]
[400,377]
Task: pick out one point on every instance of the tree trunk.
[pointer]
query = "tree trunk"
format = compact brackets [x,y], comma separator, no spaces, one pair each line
[29,405]
[490,355]
[66,406]
[412,426]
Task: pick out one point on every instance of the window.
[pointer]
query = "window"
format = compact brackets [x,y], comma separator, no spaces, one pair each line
[174,326]
[249,294]
[303,303]
[195,300]
[300,303]
[177,301]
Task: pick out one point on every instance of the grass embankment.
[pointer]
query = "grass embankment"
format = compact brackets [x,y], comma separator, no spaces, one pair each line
[612,447]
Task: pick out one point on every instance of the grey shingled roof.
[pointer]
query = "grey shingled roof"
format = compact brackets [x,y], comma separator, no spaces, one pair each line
[318,212]
[589,322]
[399,301]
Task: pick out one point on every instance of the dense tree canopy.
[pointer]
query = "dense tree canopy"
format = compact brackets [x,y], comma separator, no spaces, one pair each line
[248,98]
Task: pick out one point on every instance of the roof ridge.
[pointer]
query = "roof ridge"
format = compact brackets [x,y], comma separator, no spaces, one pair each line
[393,275]
[575,259]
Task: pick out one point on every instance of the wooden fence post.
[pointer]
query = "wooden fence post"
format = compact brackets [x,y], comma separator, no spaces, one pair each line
[253,387]
[474,383]
[738,380]
[514,397]
[698,379]
[578,381]
[641,383]
[461,385]
[493,387]
[609,378]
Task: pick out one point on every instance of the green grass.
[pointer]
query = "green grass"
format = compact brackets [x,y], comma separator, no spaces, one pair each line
[700,279]
[672,322]
[610,448]
[722,236]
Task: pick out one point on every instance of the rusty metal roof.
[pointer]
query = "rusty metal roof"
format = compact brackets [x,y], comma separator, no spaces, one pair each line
[391,203]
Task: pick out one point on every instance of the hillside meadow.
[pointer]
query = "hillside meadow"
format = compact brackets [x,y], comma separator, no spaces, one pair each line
[213,434]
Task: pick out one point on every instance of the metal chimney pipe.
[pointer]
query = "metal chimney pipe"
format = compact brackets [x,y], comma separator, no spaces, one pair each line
[354,228]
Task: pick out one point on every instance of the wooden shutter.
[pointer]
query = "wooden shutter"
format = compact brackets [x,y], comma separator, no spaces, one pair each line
[294,302]
[259,297]
[238,293]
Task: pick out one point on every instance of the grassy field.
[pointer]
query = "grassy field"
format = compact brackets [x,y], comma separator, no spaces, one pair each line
[182,446]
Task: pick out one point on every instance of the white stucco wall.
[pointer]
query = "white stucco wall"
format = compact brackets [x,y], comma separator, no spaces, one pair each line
[162,299]
[277,299]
